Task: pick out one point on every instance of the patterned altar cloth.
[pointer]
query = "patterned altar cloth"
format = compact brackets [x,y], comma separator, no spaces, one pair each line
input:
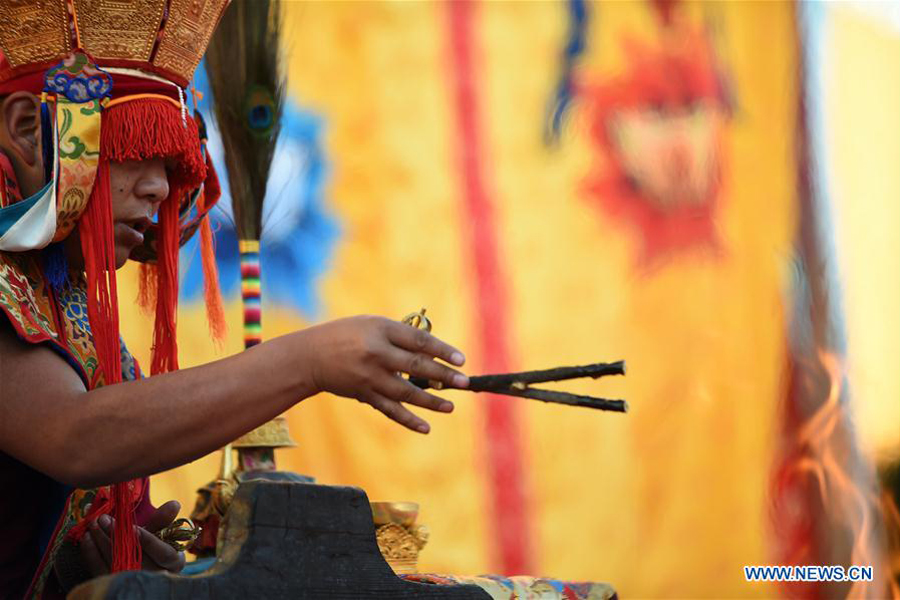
[523,587]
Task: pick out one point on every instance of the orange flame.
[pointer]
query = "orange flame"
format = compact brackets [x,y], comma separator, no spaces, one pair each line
[846,500]
[892,520]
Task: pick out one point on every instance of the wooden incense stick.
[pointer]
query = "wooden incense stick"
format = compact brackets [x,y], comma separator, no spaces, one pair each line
[518,385]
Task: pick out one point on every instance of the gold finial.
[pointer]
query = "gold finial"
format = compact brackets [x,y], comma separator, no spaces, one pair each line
[418,320]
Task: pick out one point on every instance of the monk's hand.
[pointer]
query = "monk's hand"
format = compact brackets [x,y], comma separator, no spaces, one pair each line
[96,546]
[360,357]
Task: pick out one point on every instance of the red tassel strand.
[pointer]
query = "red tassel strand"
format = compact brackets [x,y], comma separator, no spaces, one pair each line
[98,248]
[165,345]
[147,284]
[215,312]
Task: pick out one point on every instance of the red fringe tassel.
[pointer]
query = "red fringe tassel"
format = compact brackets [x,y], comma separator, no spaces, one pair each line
[145,129]
[141,130]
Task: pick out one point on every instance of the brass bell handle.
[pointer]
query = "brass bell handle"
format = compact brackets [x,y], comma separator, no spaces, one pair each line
[180,534]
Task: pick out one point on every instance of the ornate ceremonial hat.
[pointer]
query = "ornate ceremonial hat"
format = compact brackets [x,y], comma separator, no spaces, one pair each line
[112,53]
[164,37]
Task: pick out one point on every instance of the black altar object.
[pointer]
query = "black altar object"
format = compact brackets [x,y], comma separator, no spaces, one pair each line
[285,540]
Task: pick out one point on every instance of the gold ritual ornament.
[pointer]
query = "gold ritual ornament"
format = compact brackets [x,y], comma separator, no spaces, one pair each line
[399,538]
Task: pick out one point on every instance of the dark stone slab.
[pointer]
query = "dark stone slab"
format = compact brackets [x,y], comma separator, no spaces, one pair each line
[286,540]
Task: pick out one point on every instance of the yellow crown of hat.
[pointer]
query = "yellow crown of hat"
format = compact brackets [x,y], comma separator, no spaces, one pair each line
[167,37]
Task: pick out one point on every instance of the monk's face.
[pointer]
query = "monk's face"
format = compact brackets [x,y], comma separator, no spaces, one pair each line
[137,189]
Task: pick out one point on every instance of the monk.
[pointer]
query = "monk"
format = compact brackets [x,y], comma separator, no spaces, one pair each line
[60,430]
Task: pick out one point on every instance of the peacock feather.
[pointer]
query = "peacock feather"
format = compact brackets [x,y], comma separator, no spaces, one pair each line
[247,81]
[243,63]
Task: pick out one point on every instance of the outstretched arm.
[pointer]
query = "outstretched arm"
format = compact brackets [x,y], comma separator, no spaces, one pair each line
[119,432]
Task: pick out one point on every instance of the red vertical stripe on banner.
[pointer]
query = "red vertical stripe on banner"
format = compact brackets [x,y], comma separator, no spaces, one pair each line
[504,449]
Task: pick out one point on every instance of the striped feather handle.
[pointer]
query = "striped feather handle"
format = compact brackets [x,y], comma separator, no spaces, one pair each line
[251,292]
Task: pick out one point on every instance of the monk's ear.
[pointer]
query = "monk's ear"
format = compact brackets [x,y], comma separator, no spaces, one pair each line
[21,126]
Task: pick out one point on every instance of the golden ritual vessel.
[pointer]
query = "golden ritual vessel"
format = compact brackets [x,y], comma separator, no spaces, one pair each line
[399,538]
